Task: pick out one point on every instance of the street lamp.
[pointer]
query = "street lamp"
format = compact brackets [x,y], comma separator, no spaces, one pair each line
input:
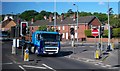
[109,46]
[55,15]
[77,21]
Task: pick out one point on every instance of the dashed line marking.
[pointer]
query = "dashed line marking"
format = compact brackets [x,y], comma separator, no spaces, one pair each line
[48,67]
[22,68]
[7,63]
[34,67]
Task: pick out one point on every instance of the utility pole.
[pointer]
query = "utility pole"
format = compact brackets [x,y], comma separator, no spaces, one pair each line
[55,15]
[109,46]
[77,21]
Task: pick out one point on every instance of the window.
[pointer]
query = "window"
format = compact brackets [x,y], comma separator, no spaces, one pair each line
[75,34]
[71,26]
[38,36]
[63,36]
[66,35]
[58,27]
[75,27]
[63,27]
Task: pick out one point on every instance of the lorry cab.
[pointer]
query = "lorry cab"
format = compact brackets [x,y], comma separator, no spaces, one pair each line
[45,42]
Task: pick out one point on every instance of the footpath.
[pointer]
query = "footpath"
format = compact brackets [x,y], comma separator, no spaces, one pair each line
[86,52]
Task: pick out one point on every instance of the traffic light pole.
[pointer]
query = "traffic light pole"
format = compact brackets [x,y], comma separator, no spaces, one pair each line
[72,41]
[16,39]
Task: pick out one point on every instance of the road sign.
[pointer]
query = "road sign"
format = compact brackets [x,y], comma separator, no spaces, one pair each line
[95,32]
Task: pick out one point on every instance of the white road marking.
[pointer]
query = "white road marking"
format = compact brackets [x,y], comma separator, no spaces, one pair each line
[34,67]
[22,68]
[48,67]
[7,63]
[108,65]
[104,66]
[96,64]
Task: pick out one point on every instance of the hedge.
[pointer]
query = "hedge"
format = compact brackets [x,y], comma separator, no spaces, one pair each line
[88,33]
[115,32]
[105,34]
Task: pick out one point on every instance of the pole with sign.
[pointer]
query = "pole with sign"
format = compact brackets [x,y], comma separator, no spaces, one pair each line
[95,33]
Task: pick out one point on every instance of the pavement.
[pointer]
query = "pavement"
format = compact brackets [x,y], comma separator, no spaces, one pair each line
[87,54]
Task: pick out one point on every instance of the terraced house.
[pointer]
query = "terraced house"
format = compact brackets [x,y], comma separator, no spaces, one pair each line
[63,25]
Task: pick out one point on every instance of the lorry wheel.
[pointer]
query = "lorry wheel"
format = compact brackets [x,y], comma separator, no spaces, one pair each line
[32,50]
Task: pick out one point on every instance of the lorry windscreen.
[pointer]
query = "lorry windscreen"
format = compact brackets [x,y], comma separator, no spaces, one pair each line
[50,37]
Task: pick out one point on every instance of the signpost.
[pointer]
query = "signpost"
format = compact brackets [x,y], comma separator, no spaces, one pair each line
[95,33]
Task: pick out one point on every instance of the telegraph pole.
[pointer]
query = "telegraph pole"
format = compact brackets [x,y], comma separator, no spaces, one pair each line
[77,21]
[55,15]
[109,46]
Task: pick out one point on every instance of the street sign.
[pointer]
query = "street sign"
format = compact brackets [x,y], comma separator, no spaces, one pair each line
[95,32]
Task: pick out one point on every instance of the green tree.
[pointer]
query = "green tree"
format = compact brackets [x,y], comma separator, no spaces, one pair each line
[42,28]
[39,17]
[28,15]
[85,14]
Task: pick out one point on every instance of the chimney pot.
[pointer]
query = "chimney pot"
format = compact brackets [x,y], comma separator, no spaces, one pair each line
[45,17]
[62,17]
[50,18]
[74,17]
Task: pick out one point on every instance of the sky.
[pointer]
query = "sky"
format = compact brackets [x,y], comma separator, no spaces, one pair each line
[61,7]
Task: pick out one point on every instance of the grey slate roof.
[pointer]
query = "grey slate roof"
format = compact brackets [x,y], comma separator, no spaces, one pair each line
[66,21]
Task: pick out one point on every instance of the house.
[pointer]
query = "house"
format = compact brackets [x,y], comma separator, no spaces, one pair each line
[63,25]
[7,23]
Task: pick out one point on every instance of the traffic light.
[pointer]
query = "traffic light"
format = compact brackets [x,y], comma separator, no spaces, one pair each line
[24,26]
[101,30]
[72,32]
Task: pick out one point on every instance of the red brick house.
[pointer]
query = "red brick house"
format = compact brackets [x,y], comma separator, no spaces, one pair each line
[63,25]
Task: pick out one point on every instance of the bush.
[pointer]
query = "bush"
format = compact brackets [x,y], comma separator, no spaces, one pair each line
[105,34]
[42,28]
[88,33]
[116,32]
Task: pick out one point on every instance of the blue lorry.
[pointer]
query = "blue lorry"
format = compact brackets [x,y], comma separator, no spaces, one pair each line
[44,42]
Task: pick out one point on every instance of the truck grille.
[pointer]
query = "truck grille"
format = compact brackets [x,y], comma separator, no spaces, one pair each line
[51,44]
[50,48]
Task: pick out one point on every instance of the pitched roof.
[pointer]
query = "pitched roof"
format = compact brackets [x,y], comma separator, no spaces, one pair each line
[4,23]
[66,21]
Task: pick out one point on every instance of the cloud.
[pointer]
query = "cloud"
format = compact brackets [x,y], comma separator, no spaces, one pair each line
[101,3]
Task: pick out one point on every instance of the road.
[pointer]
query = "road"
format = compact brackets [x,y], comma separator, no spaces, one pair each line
[53,63]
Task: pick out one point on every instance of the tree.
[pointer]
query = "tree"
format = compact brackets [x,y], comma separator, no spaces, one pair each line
[70,11]
[28,15]
[39,17]
[85,14]
[42,28]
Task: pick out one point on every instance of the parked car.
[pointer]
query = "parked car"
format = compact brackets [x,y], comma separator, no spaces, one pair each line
[4,36]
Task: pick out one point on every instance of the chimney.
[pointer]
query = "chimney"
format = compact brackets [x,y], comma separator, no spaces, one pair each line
[32,20]
[62,17]
[74,16]
[58,17]
[50,18]
[45,17]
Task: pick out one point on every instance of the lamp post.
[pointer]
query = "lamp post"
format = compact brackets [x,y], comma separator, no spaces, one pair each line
[109,9]
[77,21]
[55,15]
